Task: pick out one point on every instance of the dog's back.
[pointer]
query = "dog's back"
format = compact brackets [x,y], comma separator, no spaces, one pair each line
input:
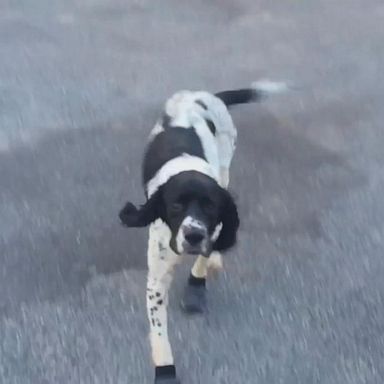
[199,124]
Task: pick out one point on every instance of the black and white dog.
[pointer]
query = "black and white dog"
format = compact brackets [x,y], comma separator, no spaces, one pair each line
[188,207]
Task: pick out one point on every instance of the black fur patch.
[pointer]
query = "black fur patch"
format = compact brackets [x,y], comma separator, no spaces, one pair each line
[196,281]
[167,371]
[238,96]
[211,126]
[202,104]
[171,143]
[165,121]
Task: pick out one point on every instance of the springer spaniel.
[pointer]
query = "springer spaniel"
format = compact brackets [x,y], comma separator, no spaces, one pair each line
[188,208]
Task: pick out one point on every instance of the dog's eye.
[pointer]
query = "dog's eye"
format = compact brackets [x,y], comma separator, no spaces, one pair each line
[209,207]
[177,208]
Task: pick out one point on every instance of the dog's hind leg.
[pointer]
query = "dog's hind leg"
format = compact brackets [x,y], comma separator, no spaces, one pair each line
[161,261]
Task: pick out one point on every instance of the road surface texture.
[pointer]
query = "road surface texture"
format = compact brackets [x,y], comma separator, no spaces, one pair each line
[301,300]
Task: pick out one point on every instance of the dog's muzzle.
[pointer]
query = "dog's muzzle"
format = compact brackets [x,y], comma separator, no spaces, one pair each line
[193,240]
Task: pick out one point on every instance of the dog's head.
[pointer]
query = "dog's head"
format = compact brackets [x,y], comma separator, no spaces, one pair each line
[201,215]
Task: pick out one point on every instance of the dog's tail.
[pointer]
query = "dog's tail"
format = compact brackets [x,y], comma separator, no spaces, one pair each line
[256,92]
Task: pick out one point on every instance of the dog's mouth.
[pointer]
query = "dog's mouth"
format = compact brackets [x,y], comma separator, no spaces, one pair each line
[192,250]
[192,240]
[195,250]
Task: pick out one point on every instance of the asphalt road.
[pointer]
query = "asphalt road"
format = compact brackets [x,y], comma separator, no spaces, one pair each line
[301,300]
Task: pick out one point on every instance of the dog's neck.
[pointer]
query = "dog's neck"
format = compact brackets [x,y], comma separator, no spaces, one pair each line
[177,165]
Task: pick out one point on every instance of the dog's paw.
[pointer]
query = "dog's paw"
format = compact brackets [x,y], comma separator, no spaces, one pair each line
[167,380]
[215,263]
[166,375]
[128,214]
[194,299]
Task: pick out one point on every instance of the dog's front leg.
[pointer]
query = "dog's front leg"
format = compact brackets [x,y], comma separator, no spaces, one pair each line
[224,177]
[161,261]
[194,299]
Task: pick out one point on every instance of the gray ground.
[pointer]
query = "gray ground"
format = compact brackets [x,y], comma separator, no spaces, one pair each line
[302,296]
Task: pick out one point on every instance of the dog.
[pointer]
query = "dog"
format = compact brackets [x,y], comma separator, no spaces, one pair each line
[188,208]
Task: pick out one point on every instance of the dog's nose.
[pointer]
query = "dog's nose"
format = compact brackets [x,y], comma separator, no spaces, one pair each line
[194,237]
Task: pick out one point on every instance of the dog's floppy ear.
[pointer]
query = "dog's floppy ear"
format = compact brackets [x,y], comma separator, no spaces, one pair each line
[131,216]
[229,217]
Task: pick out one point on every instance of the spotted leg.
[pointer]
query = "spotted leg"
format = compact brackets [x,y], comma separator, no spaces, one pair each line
[161,261]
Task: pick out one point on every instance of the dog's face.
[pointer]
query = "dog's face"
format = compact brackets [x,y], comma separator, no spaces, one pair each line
[200,214]
[193,205]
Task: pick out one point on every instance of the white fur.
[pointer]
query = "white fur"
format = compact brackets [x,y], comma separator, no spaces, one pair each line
[177,165]
[216,232]
[158,128]
[199,269]
[270,87]
[215,261]
[191,222]
[180,240]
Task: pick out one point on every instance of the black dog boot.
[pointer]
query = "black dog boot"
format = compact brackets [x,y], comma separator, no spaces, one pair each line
[166,375]
[194,300]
